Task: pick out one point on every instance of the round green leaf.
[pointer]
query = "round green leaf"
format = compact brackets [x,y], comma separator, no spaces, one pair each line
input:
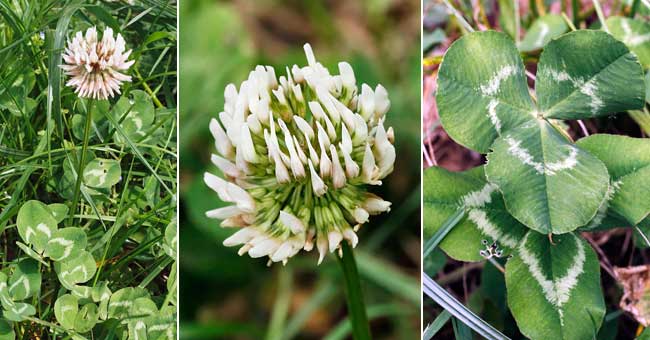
[586,74]
[19,311]
[86,318]
[78,269]
[25,280]
[66,308]
[122,302]
[554,289]
[542,31]
[628,161]
[171,239]
[482,89]
[102,173]
[35,224]
[548,184]
[136,115]
[486,218]
[66,242]
[59,211]
[635,34]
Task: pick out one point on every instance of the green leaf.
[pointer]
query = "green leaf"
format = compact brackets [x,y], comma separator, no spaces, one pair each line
[78,269]
[542,31]
[171,240]
[554,289]
[586,74]
[548,183]
[19,311]
[122,302]
[136,121]
[445,192]
[25,281]
[478,99]
[86,318]
[628,162]
[65,310]
[59,211]
[66,242]
[6,330]
[15,98]
[635,34]
[102,173]
[35,224]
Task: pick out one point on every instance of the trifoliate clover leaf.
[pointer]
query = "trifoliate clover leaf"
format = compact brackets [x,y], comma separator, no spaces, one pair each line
[556,187]
[86,318]
[19,311]
[122,302]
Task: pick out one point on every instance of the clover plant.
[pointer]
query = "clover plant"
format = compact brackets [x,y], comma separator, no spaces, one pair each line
[539,189]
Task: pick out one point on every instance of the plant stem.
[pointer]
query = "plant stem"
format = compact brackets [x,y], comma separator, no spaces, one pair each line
[353,295]
[633,9]
[82,159]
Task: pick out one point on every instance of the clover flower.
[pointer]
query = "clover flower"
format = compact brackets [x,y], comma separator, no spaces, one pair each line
[95,66]
[297,154]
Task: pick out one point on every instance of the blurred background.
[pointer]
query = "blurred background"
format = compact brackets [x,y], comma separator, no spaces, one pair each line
[227,296]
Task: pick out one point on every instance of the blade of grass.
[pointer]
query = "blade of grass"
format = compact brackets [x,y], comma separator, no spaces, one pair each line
[391,279]
[458,310]
[323,293]
[461,331]
[343,328]
[437,324]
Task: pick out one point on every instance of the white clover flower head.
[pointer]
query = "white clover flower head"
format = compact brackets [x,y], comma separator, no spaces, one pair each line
[297,154]
[96,66]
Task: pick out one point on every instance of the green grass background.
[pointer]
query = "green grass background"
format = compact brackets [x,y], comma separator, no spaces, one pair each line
[227,296]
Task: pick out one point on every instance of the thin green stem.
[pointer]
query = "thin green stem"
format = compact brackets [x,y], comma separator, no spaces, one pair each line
[354,296]
[82,159]
[633,9]
[575,9]
[281,305]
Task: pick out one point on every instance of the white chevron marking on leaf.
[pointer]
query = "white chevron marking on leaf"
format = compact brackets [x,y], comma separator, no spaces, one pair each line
[42,227]
[568,163]
[492,87]
[523,155]
[550,169]
[480,218]
[478,199]
[99,174]
[492,113]
[29,232]
[557,291]
[22,280]
[587,88]
[67,245]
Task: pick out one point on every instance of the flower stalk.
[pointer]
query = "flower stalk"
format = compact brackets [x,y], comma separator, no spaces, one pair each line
[353,295]
[82,157]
